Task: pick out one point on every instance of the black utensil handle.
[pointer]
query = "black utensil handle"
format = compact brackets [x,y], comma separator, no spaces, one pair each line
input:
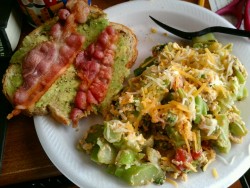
[244,182]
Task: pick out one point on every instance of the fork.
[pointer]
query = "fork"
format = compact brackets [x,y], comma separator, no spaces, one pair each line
[214,29]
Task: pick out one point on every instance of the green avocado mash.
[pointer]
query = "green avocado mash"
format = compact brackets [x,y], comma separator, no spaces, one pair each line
[60,97]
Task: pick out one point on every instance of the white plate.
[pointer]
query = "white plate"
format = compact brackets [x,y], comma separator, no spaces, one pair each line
[59,142]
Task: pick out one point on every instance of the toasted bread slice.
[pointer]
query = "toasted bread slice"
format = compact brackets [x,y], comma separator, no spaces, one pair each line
[59,99]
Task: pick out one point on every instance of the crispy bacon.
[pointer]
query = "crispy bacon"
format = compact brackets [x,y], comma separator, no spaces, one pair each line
[47,61]
[42,66]
[94,68]
[63,14]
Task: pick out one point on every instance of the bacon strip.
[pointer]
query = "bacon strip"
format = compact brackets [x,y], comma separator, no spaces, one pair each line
[49,60]
[94,68]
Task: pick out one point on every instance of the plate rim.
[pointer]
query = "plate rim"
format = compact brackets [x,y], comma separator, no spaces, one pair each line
[129,3]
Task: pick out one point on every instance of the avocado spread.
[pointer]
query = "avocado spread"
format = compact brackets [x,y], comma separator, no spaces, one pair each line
[60,96]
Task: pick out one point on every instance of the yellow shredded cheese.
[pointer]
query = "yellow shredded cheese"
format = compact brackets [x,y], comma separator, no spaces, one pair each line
[186,142]
[190,166]
[221,89]
[195,141]
[210,56]
[215,173]
[136,122]
[208,163]
[179,106]
[185,74]
[197,92]
[174,183]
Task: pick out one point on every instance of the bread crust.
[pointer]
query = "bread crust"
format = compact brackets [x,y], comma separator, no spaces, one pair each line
[133,41]
[7,82]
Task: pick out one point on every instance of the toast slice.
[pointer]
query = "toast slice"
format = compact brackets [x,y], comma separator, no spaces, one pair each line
[59,98]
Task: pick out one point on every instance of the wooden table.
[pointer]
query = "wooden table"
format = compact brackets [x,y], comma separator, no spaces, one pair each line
[24,158]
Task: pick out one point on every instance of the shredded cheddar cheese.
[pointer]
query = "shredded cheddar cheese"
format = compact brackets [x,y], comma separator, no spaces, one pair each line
[185,74]
[210,56]
[174,183]
[197,92]
[215,173]
[180,108]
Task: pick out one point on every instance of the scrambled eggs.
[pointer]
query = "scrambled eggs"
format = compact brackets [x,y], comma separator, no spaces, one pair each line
[173,116]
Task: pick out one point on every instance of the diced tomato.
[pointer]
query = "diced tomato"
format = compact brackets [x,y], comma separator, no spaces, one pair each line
[182,156]
[196,154]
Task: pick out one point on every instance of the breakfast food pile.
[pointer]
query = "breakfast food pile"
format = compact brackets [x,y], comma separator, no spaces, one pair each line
[173,116]
[70,66]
